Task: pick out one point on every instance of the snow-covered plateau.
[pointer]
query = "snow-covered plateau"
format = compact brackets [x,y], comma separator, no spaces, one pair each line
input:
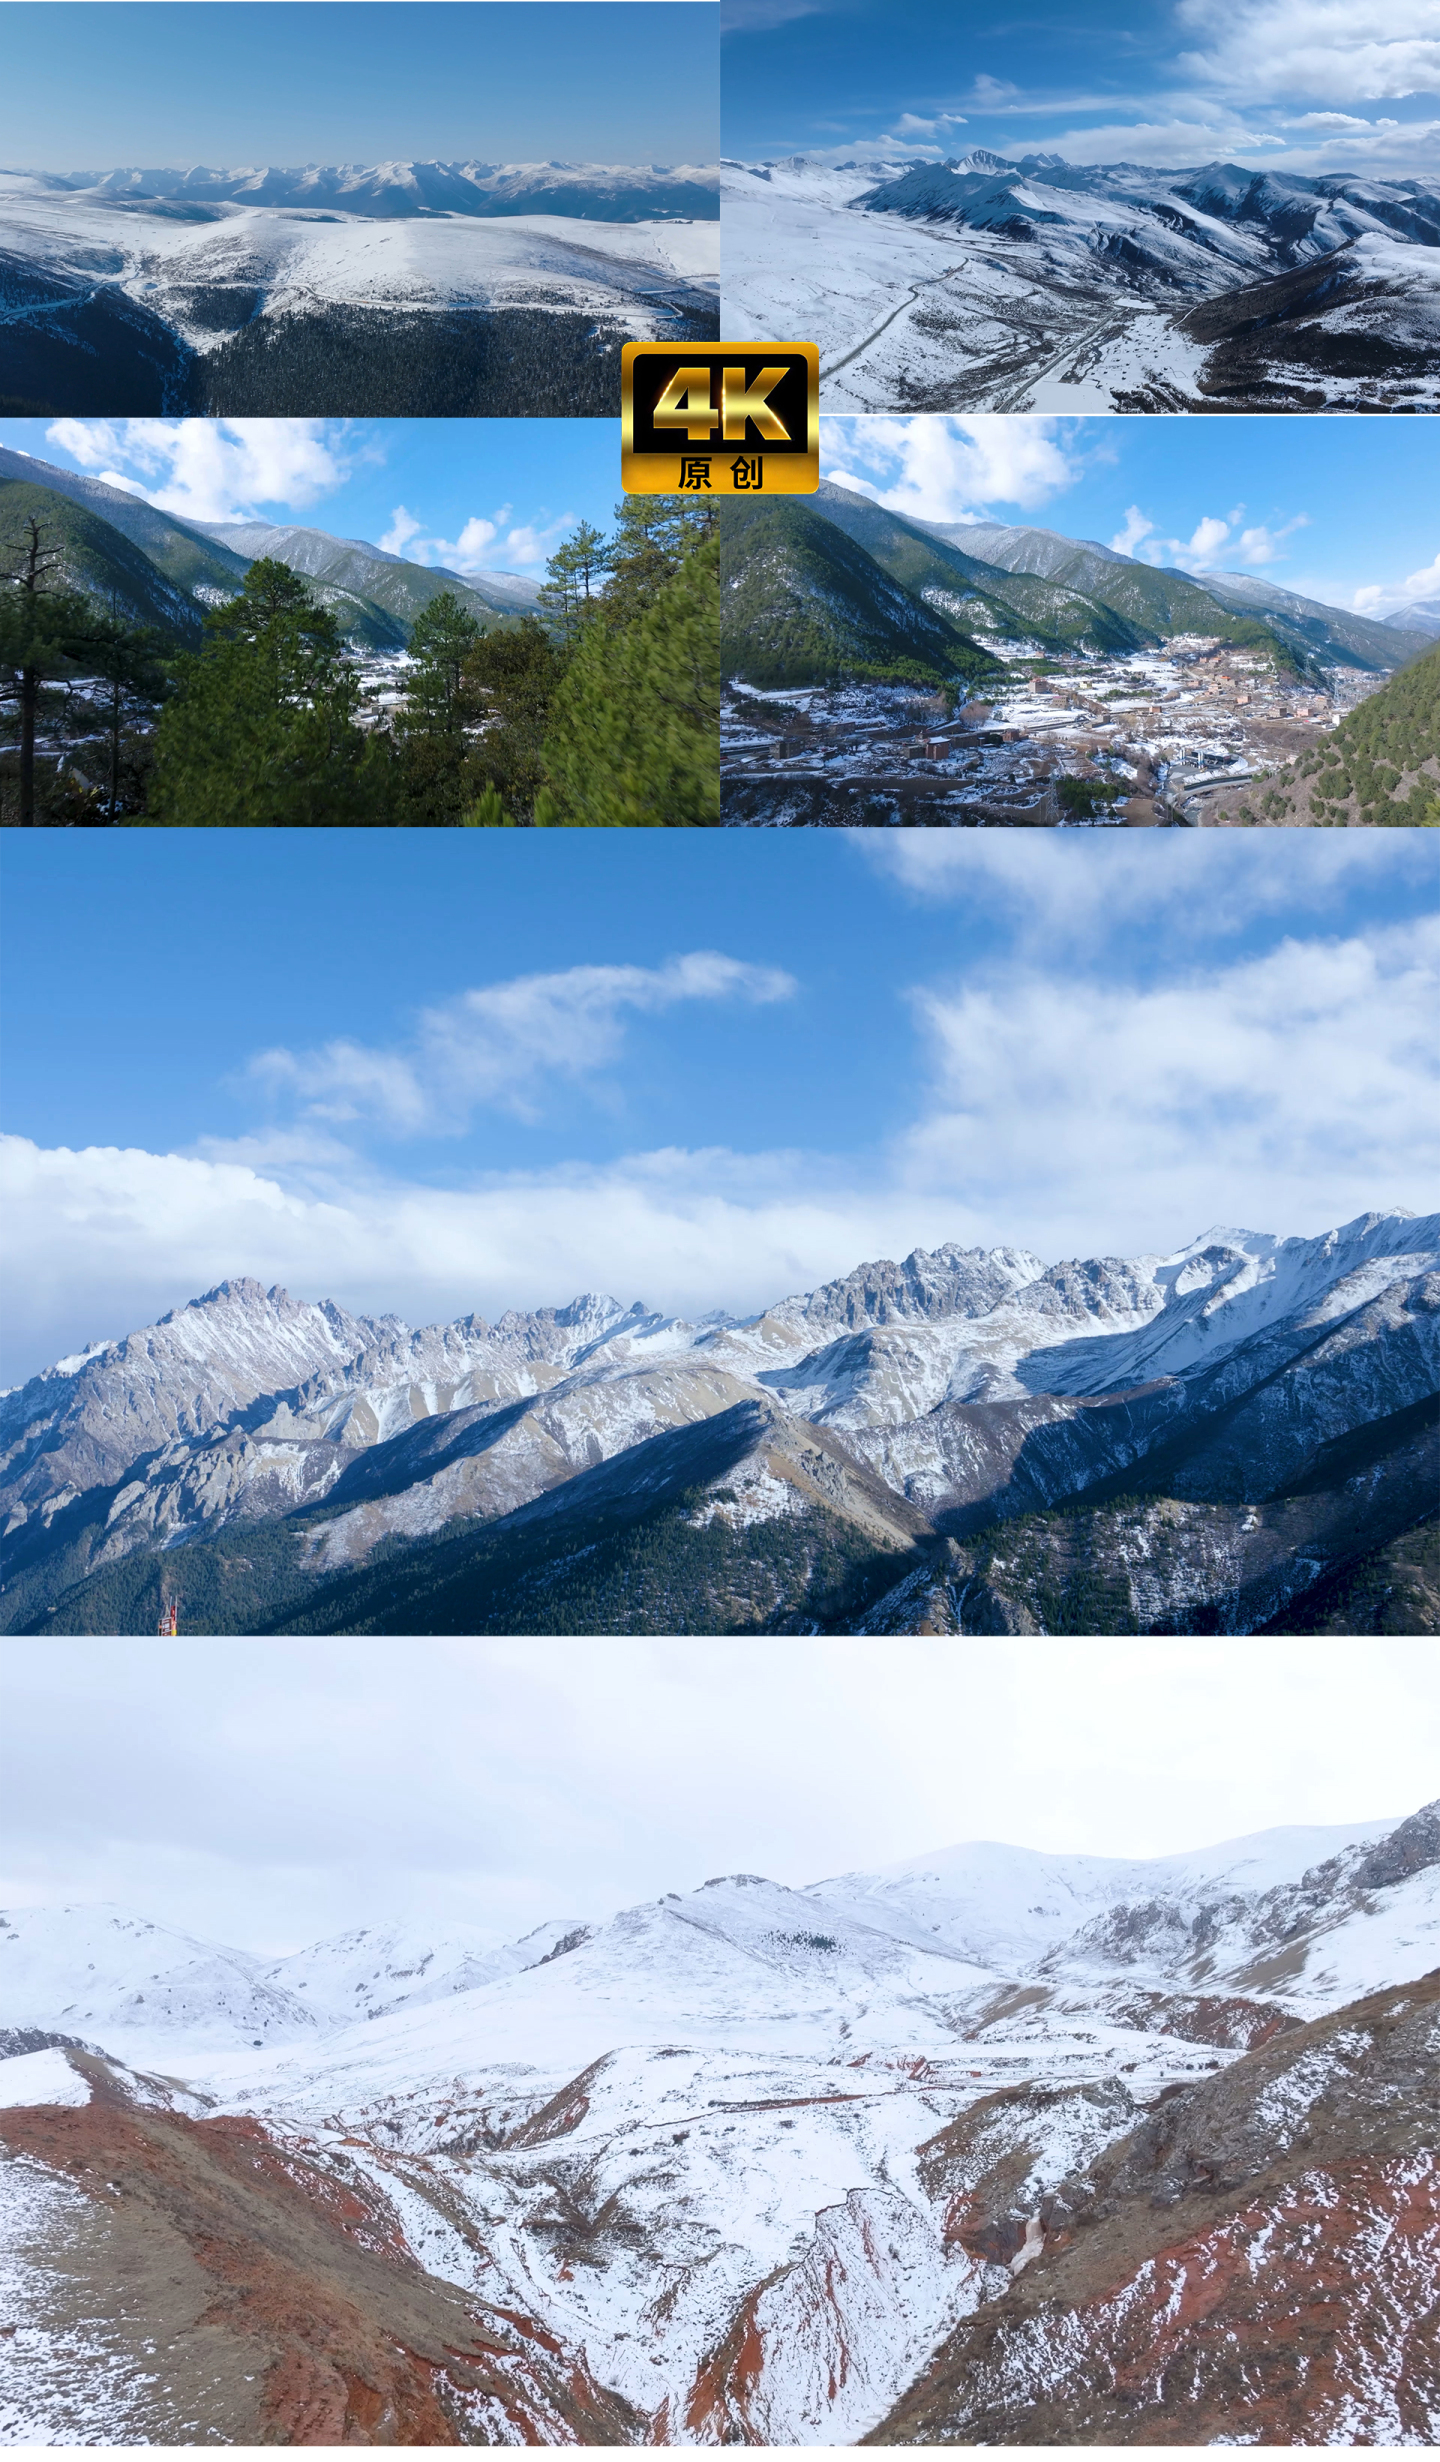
[228,302]
[1217,1436]
[986,284]
[748,2164]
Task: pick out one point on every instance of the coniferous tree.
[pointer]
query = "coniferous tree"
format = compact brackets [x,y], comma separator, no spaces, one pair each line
[128,661]
[635,738]
[262,729]
[43,634]
[438,694]
[574,573]
[441,704]
[517,672]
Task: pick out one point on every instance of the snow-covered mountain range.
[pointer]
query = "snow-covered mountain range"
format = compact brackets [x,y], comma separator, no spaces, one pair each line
[749,2163]
[1151,1443]
[989,284]
[281,292]
[596,191]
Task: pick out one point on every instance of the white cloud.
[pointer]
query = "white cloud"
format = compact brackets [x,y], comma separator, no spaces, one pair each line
[1091,889]
[1137,527]
[103,1240]
[1328,51]
[1052,1105]
[497,1045]
[1383,597]
[944,469]
[1214,545]
[403,528]
[1208,535]
[934,133]
[1337,123]
[213,469]
[987,91]
[484,544]
[1167,144]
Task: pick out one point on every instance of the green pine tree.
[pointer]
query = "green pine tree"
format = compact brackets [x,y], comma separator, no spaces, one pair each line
[635,739]
[571,592]
[441,702]
[262,729]
[130,664]
[516,672]
[438,693]
[489,813]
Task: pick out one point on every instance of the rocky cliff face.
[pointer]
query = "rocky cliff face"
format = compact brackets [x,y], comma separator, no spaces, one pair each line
[1220,1431]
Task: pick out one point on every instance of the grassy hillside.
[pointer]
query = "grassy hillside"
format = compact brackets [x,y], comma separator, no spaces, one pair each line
[802,604]
[1380,769]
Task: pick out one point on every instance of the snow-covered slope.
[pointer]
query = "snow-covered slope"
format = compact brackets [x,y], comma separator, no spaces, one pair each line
[371,1972]
[379,304]
[206,272]
[1421,616]
[989,284]
[1005,1906]
[96,1971]
[754,2151]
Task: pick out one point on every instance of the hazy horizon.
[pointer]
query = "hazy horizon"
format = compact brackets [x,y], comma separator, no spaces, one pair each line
[275,1796]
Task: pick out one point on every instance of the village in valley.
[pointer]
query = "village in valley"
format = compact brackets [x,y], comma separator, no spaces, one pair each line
[1171,738]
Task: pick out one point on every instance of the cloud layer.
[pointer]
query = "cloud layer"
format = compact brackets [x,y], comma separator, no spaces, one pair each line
[1215,545]
[486,542]
[499,1044]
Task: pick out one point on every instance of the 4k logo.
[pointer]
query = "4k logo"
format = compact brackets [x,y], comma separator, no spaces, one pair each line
[720,418]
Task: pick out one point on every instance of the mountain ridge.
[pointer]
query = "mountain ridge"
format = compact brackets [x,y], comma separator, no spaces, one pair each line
[1011,582]
[186,566]
[1233,1417]
[623,192]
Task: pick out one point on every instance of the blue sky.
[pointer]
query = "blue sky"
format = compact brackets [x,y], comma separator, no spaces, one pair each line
[1295,84]
[474,494]
[161,84]
[442,1071]
[1346,510]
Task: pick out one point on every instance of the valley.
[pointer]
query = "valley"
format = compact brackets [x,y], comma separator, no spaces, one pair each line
[884,671]
[992,2144]
[985,284]
[969,1441]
